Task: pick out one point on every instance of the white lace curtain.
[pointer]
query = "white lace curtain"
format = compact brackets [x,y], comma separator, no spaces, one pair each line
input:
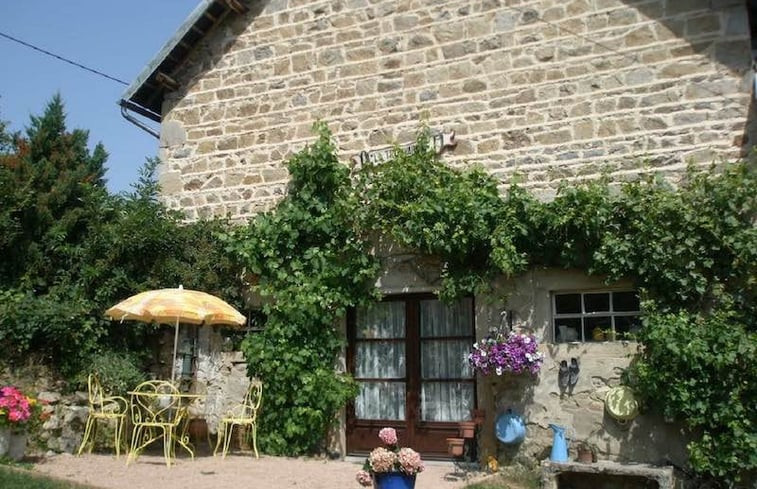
[383,359]
[445,359]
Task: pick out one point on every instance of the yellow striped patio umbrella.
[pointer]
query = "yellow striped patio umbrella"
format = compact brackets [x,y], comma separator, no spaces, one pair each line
[174,306]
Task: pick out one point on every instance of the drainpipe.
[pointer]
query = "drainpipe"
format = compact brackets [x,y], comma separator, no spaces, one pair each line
[126,106]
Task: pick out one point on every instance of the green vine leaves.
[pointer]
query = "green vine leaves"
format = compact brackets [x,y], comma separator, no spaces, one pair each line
[691,250]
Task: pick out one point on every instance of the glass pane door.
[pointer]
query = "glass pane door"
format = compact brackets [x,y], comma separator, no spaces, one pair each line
[380,367]
[408,355]
[446,378]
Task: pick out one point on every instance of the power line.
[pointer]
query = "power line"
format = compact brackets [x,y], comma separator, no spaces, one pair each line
[66,60]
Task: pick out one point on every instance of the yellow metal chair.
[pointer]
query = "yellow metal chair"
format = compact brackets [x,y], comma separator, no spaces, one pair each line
[244,414]
[157,413]
[102,407]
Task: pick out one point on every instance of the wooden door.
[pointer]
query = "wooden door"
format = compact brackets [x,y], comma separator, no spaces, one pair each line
[408,355]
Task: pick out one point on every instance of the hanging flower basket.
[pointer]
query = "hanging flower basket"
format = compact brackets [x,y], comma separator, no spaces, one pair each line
[506,353]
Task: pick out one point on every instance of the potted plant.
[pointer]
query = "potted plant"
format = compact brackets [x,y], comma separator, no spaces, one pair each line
[512,353]
[586,452]
[16,411]
[389,466]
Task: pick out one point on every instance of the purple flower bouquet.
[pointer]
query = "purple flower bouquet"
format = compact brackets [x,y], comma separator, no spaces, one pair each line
[500,354]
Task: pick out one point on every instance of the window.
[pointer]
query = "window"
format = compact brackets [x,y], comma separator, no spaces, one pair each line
[595,316]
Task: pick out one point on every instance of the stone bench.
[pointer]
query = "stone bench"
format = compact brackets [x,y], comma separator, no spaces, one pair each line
[602,474]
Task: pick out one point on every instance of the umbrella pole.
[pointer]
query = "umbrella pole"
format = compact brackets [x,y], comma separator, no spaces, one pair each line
[175,347]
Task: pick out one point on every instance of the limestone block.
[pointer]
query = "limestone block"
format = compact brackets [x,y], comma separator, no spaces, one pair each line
[736,23]
[172,133]
[675,8]
[622,17]
[449,32]
[734,54]
[405,22]
[553,137]
[72,413]
[641,36]
[49,397]
[274,174]
[459,49]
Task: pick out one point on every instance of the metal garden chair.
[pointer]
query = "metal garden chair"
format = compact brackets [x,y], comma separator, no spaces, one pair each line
[157,413]
[103,408]
[244,414]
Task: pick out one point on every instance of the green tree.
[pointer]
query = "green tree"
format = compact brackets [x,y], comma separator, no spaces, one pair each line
[57,186]
[71,250]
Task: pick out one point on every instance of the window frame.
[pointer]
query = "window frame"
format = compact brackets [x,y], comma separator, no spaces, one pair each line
[582,315]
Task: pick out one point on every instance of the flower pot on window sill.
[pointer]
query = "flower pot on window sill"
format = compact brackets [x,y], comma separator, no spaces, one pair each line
[467,429]
[455,446]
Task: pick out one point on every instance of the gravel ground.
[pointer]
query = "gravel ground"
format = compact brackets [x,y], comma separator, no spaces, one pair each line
[236,471]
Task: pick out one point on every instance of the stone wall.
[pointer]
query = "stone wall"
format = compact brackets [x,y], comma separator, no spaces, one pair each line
[646,439]
[547,89]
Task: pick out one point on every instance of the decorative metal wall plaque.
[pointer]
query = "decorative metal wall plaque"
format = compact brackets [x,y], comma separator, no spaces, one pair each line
[438,140]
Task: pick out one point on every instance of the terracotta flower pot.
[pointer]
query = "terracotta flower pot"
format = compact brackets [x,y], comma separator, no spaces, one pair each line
[585,455]
[455,446]
[197,429]
[467,429]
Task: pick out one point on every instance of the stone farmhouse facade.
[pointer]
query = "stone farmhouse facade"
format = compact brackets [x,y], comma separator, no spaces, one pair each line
[545,90]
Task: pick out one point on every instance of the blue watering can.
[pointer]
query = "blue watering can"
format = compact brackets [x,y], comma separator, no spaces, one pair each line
[510,428]
[559,444]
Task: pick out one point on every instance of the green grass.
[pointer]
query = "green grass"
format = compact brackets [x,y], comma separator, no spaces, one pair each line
[15,478]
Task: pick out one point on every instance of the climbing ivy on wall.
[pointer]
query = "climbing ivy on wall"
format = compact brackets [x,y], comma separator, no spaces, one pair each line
[690,249]
[309,265]
[423,205]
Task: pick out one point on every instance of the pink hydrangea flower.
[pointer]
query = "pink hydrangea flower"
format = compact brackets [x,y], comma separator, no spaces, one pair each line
[14,406]
[410,461]
[388,436]
[382,460]
[364,478]
[390,458]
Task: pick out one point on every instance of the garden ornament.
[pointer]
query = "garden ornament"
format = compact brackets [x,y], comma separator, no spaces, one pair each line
[510,428]
[559,451]
[621,404]
[573,372]
[562,375]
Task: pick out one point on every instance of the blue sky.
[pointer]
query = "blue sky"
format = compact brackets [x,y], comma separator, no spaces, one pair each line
[115,37]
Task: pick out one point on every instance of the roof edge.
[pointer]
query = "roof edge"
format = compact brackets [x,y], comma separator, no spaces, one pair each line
[163,53]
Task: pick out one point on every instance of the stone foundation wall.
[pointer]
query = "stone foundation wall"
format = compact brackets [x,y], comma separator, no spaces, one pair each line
[547,89]
[62,432]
